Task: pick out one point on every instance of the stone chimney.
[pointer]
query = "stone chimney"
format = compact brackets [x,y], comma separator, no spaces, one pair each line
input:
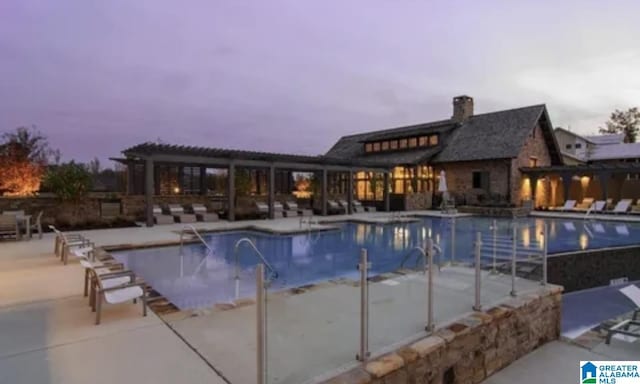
[462,108]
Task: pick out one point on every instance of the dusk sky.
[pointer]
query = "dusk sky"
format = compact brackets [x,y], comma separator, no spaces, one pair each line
[292,76]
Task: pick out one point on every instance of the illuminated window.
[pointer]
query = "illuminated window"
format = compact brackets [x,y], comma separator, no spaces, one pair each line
[423,141]
[376,147]
[393,144]
[403,143]
[413,142]
[433,140]
[368,147]
[385,145]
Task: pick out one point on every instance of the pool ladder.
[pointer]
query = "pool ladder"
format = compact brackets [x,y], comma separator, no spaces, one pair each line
[194,231]
[421,253]
[272,275]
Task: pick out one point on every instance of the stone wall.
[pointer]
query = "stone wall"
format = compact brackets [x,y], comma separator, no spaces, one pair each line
[471,349]
[495,211]
[460,176]
[534,147]
[588,269]
[418,201]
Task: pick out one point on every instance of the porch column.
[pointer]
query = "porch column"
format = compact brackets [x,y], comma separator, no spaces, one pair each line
[203,180]
[131,169]
[231,192]
[350,192]
[149,189]
[604,178]
[323,187]
[566,183]
[533,179]
[385,193]
[272,191]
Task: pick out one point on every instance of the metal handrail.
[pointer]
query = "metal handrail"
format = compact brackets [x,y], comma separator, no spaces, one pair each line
[247,240]
[411,251]
[195,232]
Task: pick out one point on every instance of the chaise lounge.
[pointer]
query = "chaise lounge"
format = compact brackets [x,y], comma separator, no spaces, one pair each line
[177,211]
[202,214]
[160,217]
[293,206]
[622,206]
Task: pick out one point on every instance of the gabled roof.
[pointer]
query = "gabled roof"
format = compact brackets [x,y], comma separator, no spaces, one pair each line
[496,135]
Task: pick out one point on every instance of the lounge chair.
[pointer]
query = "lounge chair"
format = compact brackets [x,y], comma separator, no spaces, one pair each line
[333,208]
[278,210]
[628,327]
[568,205]
[344,205]
[598,206]
[622,206]
[9,226]
[293,206]
[585,204]
[116,288]
[89,262]
[291,209]
[262,209]
[177,211]
[201,213]
[159,217]
[358,207]
[66,242]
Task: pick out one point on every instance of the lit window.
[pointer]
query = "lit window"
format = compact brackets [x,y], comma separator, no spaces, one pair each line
[533,162]
[368,147]
[376,147]
[393,144]
[403,143]
[423,141]
[413,142]
[433,140]
[385,145]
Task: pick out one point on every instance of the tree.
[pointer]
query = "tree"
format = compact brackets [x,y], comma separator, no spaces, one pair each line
[625,122]
[70,182]
[24,155]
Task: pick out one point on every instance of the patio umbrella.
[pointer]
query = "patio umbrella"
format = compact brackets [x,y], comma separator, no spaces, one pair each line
[442,187]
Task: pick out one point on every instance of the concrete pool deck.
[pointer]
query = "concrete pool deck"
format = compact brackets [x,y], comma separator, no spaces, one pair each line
[48,334]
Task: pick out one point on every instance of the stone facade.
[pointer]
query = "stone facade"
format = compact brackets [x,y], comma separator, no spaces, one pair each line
[418,201]
[536,148]
[460,177]
[471,349]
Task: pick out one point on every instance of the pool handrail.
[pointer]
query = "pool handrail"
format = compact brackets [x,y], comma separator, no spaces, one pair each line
[195,232]
[411,251]
[247,240]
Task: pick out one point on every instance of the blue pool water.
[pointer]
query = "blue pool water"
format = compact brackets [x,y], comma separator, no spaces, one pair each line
[193,280]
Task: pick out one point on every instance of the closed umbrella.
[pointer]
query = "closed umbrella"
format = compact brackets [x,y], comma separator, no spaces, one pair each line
[442,187]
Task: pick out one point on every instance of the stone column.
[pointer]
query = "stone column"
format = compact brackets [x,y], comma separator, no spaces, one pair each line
[385,193]
[566,183]
[272,191]
[323,188]
[231,192]
[350,192]
[604,178]
[149,189]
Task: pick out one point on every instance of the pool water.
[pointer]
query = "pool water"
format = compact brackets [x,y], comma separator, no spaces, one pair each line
[194,279]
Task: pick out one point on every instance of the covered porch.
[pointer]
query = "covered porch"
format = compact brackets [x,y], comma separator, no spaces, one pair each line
[552,186]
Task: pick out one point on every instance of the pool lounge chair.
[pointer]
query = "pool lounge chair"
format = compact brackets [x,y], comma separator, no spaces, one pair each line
[69,242]
[333,208]
[344,205]
[358,207]
[202,214]
[160,217]
[622,206]
[629,327]
[116,288]
[9,226]
[293,206]
[291,209]
[568,205]
[278,210]
[584,205]
[177,211]
[262,209]
[598,206]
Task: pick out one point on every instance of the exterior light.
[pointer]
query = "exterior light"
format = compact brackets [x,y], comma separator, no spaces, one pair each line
[176,190]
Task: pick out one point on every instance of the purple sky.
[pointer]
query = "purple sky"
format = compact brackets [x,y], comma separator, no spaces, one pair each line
[293,76]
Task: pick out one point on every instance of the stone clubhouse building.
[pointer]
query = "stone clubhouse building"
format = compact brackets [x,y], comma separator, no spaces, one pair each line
[484,157]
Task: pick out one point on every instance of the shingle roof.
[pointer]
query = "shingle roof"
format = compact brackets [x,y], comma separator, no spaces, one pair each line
[606,139]
[614,151]
[495,135]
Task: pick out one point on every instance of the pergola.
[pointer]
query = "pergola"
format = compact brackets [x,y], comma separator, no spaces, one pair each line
[150,154]
[603,171]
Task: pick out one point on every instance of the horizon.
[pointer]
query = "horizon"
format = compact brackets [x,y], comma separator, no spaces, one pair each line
[97,78]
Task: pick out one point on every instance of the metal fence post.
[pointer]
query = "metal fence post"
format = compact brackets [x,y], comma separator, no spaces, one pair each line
[364,306]
[513,261]
[453,239]
[495,246]
[545,238]
[261,325]
[477,306]
[430,324]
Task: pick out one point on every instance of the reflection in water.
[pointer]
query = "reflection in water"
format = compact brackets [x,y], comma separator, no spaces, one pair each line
[584,241]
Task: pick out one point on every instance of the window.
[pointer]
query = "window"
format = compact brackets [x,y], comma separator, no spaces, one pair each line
[423,141]
[480,180]
[533,162]
[393,144]
[376,147]
[368,147]
[413,142]
[433,140]
[568,146]
[403,143]
[578,145]
[385,145]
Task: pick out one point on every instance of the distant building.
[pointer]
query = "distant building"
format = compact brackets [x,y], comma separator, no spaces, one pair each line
[578,149]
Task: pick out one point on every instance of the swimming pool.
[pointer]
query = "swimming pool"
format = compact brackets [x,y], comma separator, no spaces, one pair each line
[193,280]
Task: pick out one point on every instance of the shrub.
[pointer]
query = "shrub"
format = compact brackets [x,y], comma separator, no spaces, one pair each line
[70,182]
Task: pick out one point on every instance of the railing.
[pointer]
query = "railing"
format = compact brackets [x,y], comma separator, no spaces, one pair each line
[193,230]
[411,252]
[273,274]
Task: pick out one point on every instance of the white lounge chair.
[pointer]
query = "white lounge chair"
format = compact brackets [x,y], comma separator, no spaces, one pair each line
[293,206]
[262,209]
[159,217]
[598,206]
[177,211]
[628,329]
[344,205]
[202,214]
[278,210]
[568,205]
[622,206]
[67,242]
[116,288]
[334,208]
[291,209]
[358,207]
[88,261]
